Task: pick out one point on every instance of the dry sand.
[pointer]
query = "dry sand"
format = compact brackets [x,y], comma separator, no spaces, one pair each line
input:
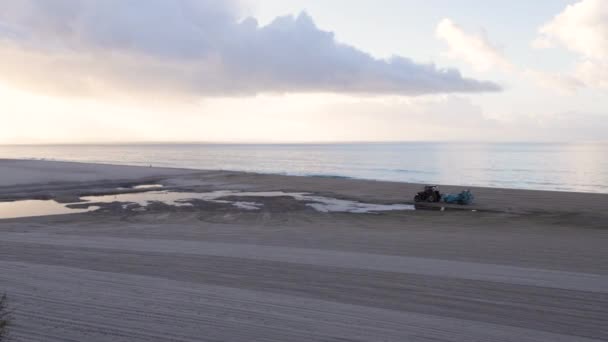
[526,266]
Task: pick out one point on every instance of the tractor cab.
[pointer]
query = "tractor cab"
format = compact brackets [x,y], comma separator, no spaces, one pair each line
[430,194]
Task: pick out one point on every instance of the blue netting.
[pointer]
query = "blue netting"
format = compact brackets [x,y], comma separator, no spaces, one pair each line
[465,197]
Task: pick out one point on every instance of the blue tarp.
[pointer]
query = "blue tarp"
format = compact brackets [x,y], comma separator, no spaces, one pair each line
[465,197]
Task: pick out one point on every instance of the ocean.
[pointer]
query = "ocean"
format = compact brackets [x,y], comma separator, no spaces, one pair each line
[581,167]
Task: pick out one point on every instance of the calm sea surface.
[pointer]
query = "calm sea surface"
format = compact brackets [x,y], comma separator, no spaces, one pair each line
[566,167]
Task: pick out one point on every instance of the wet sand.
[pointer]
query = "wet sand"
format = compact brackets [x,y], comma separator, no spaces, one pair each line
[525,266]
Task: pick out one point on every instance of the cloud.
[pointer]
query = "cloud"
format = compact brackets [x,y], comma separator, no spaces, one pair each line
[194,48]
[475,49]
[581,28]
[482,55]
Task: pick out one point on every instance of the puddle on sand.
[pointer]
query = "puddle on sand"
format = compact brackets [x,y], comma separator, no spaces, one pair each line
[319,203]
[142,187]
[147,186]
[29,208]
[328,204]
[178,199]
[142,198]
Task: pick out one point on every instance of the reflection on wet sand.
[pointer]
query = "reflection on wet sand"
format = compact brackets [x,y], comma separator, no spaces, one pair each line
[182,199]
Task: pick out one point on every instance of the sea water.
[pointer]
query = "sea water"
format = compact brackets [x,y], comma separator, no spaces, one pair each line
[544,166]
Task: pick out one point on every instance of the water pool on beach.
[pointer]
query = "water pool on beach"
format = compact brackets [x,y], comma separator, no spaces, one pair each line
[147,186]
[31,208]
[140,200]
[319,203]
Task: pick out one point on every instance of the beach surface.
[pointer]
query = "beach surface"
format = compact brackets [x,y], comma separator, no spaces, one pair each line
[518,265]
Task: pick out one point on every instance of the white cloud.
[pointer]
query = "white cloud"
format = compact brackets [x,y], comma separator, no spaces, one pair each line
[480,53]
[475,49]
[583,29]
[194,48]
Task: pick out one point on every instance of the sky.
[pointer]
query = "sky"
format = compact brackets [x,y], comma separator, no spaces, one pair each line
[112,71]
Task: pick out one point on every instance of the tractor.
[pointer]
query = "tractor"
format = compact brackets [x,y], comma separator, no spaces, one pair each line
[430,194]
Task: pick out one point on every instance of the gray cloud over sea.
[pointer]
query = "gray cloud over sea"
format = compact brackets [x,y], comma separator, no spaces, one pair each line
[195,47]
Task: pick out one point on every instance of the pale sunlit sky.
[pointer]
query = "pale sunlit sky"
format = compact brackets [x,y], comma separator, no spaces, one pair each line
[75,71]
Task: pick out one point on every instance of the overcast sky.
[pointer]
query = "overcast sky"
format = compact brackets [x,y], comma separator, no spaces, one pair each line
[303,71]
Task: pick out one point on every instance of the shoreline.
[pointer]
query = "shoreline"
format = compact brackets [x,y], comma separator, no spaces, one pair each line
[329,176]
[486,168]
[75,178]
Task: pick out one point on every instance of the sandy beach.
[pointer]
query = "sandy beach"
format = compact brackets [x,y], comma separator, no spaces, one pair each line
[518,265]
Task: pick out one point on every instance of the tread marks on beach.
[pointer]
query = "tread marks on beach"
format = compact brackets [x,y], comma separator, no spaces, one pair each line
[562,311]
[140,308]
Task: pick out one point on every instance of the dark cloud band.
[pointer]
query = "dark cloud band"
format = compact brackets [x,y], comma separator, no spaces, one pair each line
[199,47]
